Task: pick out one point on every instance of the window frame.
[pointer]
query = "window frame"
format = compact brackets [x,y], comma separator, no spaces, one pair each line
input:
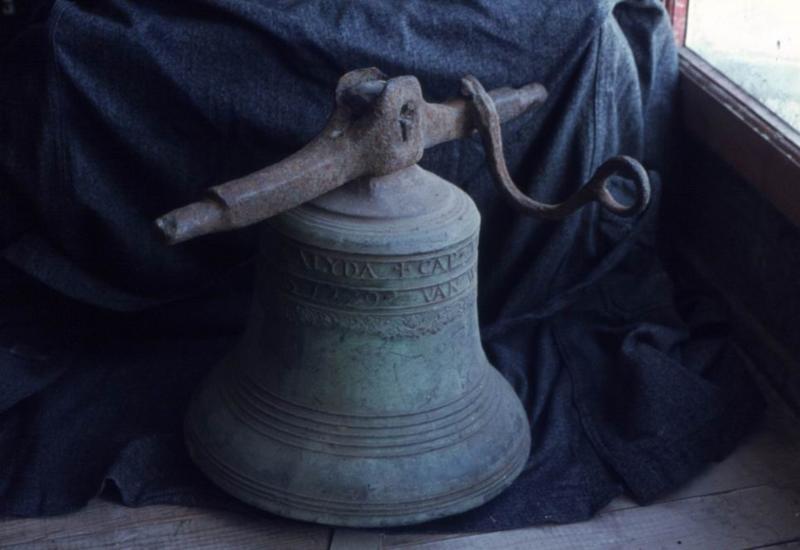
[757,143]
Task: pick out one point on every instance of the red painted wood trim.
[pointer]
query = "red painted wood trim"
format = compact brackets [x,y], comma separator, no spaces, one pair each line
[678,11]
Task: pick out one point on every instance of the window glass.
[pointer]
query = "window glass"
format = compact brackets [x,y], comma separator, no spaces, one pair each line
[756,43]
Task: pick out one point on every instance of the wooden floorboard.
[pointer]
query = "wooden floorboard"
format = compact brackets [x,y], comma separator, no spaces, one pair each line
[743,518]
[354,539]
[105,524]
[751,500]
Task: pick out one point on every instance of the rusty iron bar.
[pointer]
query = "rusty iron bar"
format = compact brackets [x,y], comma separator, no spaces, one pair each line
[378,126]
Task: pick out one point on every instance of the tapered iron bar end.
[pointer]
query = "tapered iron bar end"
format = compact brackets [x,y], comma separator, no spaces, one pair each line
[199,218]
[513,102]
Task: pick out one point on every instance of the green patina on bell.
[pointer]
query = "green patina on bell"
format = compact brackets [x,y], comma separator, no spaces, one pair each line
[360,394]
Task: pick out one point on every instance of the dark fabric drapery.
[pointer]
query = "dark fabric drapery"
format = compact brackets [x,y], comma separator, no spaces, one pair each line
[115,112]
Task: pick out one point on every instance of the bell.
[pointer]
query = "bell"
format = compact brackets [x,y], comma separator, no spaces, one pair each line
[360,394]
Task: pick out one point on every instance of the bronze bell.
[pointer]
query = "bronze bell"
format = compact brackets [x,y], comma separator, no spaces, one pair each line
[360,394]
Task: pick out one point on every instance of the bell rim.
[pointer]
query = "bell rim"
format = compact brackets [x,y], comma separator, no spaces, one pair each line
[352,514]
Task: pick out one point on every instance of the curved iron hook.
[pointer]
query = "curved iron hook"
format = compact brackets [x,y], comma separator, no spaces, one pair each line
[596,189]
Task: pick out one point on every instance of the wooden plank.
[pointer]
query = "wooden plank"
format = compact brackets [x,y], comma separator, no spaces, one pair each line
[769,457]
[678,11]
[768,461]
[107,525]
[354,539]
[745,518]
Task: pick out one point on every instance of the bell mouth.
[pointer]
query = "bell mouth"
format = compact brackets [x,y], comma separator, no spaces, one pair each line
[295,463]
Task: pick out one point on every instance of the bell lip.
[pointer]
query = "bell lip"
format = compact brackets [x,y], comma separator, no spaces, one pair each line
[371,522]
[477,494]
